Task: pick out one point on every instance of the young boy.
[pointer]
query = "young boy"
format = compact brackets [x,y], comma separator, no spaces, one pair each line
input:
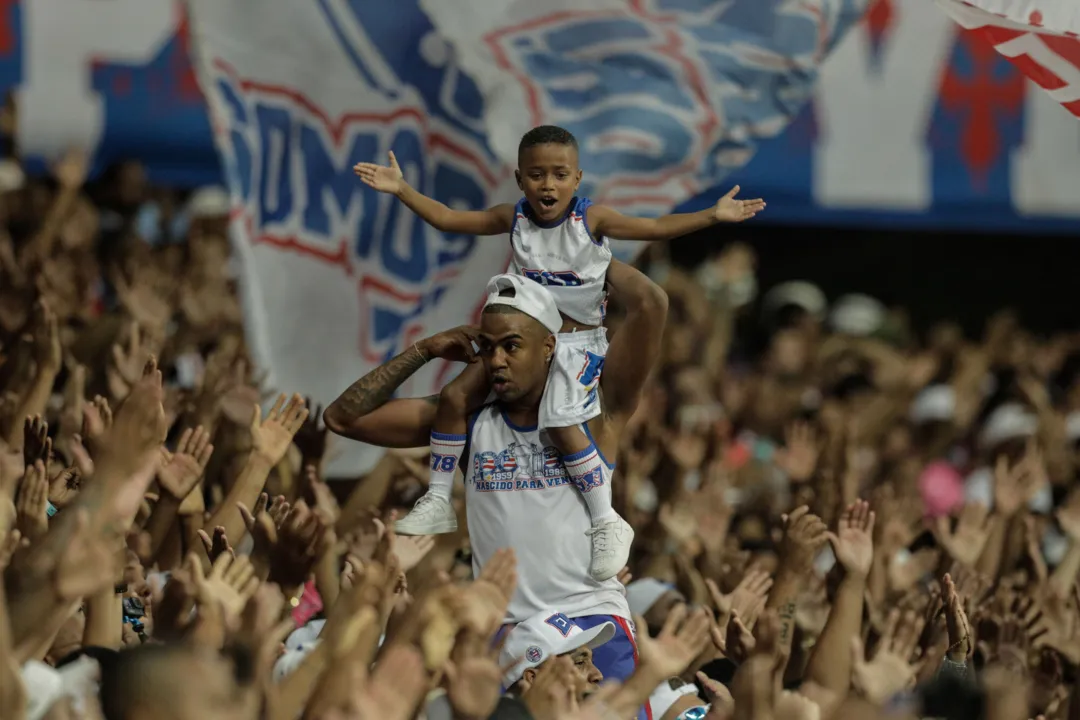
[561,241]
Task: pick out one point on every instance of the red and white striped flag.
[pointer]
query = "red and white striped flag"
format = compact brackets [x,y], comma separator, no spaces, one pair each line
[1040,37]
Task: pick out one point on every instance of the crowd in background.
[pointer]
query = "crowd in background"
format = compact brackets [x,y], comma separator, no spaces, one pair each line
[834,517]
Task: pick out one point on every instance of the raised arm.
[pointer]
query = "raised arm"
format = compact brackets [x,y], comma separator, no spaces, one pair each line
[495,220]
[605,222]
[634,349]
[366,412]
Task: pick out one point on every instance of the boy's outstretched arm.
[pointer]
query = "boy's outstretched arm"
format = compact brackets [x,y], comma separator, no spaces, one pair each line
[605,222]
[495,220]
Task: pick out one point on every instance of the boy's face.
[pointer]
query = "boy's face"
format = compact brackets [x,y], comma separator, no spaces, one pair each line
[549,176]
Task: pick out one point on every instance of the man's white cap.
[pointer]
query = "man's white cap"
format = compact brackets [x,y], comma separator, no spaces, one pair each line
[207,202]
[796,292]
[546,635]
[529,297]
[1007,422]
[642,594]
[857,314]
[935,403]
[1072,426]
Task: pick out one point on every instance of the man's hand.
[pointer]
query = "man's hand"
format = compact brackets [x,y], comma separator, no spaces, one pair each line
[956,622]
[310,439]
[799,456]
[32,502]
[853,542]
[180,471]
[966,543]
[891,670]
[728,209]
[679,642]
[36,442]
[747,599]
[386,179]
[804,534]
[455,345]
[271,437]
[1016,485]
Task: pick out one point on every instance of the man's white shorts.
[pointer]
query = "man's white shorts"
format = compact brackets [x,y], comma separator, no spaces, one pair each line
[572,393]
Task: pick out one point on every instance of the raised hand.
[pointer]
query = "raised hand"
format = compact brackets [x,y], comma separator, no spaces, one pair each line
[310,439]
[411,549]
[682,639]
[384,178]
[853,543]
[36,442]
[47,348]
[31,504]
[799,456]
[89,560]
[966,543]
[739,642]
[217,545]
[271,437]
[180,471]
[230,584]
[747,599]
[455,345]
[905,571]
[1016,485]
[804,534]
[961,644]
[728,209]
[300,543]
[1068,516]
[891,669]
[474,678]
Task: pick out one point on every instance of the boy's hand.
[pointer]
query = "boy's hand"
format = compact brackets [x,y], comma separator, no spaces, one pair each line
[389,179]
[728,209]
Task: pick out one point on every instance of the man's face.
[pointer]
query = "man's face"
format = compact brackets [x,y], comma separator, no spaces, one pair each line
[588,672]
[516,351]
[549,176]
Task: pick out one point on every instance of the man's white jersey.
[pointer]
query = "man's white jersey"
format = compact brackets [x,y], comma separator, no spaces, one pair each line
[564,257]
[518,495]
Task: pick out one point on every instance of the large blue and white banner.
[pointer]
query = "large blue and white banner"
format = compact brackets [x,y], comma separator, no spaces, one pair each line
[338,277]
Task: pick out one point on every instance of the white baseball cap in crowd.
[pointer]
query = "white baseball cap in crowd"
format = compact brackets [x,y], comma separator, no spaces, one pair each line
[1008,421]
[546,635]
[934,403]
[642,594]
[528,296]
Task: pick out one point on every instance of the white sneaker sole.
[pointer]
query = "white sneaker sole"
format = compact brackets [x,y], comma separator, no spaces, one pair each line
[439,528]
[601,577]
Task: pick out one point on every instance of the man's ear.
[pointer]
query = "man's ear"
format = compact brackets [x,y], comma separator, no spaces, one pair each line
[577,180]
[549,348]
[527,678]
[517,178]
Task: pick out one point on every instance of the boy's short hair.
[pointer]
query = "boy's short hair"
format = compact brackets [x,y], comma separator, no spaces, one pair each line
[546,135]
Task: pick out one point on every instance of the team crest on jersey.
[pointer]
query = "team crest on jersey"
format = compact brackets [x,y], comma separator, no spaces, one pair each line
[520,466]
[534,654]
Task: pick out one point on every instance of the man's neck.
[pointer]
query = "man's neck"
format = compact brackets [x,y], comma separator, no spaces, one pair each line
[525,411]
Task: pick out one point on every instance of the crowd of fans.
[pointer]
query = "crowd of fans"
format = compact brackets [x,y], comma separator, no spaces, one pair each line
[833,519]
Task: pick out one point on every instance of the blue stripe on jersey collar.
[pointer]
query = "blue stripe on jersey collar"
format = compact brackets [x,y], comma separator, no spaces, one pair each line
[516,428]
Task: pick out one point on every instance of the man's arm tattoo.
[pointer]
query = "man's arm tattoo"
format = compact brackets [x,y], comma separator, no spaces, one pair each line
[787,618]
[374,389]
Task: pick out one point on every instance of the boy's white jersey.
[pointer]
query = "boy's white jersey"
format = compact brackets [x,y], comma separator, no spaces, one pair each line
[564,257]
[518,495]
